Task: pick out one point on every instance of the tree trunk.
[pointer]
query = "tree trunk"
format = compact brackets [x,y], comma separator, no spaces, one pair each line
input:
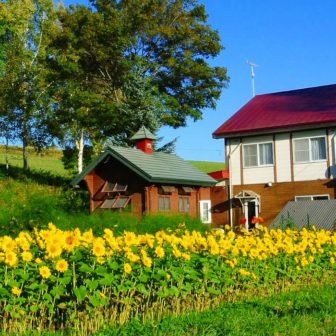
[80,147]
[25,145]
[6,153]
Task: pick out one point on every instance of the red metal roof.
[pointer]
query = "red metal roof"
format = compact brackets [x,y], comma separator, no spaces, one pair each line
[296,108]
[220,174]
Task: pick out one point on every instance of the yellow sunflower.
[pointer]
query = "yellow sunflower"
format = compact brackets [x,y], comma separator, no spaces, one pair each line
[62,265]
[45,272]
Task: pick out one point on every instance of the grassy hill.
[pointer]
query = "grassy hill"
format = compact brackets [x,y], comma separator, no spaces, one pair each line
[42,195]
[50,160]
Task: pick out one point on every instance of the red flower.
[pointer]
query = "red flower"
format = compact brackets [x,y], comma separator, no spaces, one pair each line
[242,221]
[257,220]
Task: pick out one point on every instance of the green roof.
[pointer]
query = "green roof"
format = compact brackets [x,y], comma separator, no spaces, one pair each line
[158,167]
[143,133]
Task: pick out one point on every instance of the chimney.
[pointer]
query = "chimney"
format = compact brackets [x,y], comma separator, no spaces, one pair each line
[144,140]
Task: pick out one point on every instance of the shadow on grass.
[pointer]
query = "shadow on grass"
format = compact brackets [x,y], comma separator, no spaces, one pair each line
[39,176]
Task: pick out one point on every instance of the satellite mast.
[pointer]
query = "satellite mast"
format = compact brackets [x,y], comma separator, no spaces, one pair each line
[252,65]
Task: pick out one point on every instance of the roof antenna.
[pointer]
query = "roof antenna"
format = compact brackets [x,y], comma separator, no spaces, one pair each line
[252,65]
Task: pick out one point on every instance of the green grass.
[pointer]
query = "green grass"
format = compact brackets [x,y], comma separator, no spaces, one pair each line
[43,195]
[35,198]
[50,160]
[207,166]
[309,311]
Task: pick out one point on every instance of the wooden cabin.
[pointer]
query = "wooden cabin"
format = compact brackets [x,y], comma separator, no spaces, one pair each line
[146,182]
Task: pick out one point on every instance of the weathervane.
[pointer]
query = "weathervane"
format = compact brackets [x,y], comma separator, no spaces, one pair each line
[252,65]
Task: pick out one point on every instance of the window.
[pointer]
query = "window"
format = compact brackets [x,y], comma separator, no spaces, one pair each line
[310,149]
[164,203]
[113,187]
[311,198]
[115,203]
[183,204]
[205,211]
[258,154]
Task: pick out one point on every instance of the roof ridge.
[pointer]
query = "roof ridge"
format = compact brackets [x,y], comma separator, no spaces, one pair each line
[291,90]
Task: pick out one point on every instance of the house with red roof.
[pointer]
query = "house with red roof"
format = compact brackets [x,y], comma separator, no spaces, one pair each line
[280,147]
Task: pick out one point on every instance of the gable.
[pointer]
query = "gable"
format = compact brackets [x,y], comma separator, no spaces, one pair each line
[309,107]
[155,168]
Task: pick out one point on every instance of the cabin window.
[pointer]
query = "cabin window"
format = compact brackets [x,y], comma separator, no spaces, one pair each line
[119,202]
[183,203]
[164,197]
[311,198]
[310,149]
[258,154]
[164,203]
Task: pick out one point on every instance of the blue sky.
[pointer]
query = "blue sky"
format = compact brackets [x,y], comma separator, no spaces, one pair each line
[292,41]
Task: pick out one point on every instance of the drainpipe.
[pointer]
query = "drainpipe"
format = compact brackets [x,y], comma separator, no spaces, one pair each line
[230,189]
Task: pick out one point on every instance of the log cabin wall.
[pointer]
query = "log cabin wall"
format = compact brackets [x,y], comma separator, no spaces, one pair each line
[144,197]
[220,205]
[274,198]
[114,171]
[194,197]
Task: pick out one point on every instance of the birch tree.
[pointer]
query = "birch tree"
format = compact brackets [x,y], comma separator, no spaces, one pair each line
[23,83]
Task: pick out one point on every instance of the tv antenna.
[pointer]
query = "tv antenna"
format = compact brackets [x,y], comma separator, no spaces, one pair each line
[252,66]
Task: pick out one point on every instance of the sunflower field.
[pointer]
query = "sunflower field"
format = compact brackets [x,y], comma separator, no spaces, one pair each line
[71,280]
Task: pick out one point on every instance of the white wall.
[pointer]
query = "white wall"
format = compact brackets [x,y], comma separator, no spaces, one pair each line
[282,150]
[232,149]
[264,174]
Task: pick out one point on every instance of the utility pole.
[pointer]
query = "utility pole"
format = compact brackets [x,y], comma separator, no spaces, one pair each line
[252,65]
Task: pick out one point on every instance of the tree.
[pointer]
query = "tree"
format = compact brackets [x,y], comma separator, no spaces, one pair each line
[173,42]
[23,87]
[81,107]
[127,63]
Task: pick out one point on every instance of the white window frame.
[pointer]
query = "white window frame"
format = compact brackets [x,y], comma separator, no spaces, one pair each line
[258,154]
[207,220]
[311,197]
[310,148]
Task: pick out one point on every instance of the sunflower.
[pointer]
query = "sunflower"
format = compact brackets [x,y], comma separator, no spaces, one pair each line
[62,265]
[26,256]
[54,250]
[11,259]
[16,291]
[70,241]
[45,272]
[127,268]
[159,251]
[147,261]
[98,248]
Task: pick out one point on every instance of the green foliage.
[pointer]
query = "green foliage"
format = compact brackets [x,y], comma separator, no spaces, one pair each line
[308,311]
[85,74]
[24,100]
[70,156]
[35,198]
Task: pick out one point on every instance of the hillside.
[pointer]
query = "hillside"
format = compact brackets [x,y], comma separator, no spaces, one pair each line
[50,160]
